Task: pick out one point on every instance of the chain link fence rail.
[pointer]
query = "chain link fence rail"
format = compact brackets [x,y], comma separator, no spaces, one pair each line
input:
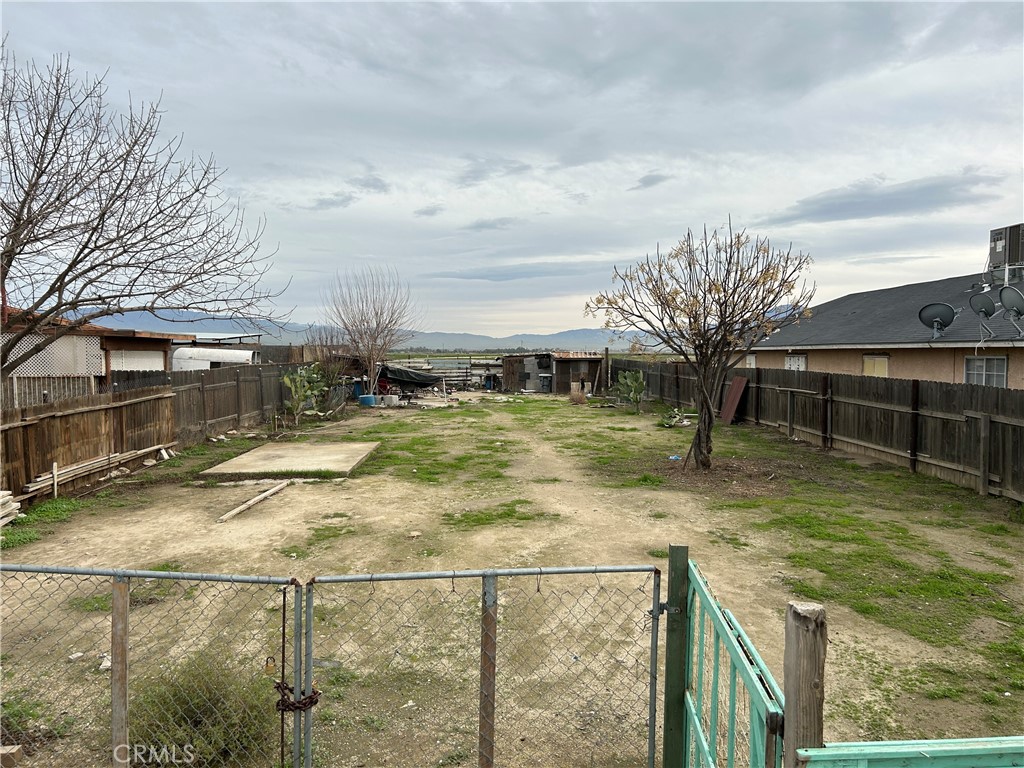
[104,667]
[515,667]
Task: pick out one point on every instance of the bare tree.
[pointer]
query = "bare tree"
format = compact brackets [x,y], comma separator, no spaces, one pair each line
[100,216]
[375,313]
[709,300]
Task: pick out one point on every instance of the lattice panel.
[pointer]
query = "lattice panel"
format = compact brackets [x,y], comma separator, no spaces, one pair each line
[67,356]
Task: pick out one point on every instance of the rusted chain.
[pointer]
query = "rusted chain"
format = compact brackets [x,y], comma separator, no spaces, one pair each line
[288,702]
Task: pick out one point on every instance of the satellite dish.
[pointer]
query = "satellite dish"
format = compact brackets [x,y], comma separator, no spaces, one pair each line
[1012,299]
[937,316]
[983,305]
[1013,302]
[984,308]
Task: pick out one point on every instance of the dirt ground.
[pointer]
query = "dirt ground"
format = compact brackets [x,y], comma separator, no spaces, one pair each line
[400,529]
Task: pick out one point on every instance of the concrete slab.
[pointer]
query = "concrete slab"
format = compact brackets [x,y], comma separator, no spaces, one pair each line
[296,457]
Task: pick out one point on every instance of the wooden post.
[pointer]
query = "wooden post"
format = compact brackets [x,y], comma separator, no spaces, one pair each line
[488,669]
[121,752]
[259,385]
[915,421]
[791,407]
[607,370]
[202,403]
[674,751]
[804,679]
[984,451]
[826,404]
[238,397]
[757,396]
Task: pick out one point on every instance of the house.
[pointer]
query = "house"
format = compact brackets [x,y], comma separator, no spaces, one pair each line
[964,329]
[555,372]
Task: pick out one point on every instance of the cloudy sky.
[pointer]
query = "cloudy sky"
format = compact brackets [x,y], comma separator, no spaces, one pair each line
[505,156]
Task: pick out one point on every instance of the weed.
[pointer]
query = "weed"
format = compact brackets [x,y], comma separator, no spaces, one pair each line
[658,515]
[645,480]
[512,512]
[374,723]
[730,538]
[210,701]
[662,553]
[38,517]
[458,756]
[546,480]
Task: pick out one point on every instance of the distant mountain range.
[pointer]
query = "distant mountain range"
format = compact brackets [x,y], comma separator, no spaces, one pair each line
[295,333]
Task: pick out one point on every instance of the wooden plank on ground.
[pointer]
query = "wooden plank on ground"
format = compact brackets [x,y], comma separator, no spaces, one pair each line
[253,501]
[10,754]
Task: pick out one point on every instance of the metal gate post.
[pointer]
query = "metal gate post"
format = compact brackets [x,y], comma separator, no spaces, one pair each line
[297,676]
[307,688]
[488,668]
[652,715]
[675,751]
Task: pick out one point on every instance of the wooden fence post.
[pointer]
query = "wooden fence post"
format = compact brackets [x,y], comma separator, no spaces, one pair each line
[202,403]
[259,385]
[674,752]
[826,407]
[790,409]
[757,396]
[238,397]
[121,752]
[488,669]
[804,679]
[984,452]
[915,421]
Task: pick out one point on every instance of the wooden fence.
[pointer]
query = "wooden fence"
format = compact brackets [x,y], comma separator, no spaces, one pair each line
[964,433]
[86,437]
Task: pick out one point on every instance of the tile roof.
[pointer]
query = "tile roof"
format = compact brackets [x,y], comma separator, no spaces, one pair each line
[889,317]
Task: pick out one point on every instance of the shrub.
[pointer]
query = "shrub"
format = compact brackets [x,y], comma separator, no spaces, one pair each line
[577,398]
[212,702]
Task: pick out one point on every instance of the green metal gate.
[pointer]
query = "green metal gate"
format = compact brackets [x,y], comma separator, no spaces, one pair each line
[723,708]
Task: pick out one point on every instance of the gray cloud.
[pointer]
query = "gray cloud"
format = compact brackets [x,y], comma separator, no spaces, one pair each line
[338,199]
[371,183]
[503,222]
[480,169]
[872,197]
[429,210]
[503,273]
[650,180]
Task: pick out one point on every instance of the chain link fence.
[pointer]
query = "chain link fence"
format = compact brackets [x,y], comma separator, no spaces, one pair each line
[189,678]
[514,668]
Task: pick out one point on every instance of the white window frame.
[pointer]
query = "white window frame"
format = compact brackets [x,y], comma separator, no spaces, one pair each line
[796,362]
[751,360]
[989,374]
[864,360]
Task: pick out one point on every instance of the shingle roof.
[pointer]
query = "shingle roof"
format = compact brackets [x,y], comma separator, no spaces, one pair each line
[888,317]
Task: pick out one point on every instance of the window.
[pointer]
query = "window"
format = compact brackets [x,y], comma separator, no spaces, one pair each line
[796,362]
[990,371]
[751,361]
[876,365]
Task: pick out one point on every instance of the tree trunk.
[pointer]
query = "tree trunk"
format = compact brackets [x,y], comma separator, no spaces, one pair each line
[705,424]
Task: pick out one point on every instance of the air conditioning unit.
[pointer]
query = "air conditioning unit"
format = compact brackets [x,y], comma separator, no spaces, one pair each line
[1006,254]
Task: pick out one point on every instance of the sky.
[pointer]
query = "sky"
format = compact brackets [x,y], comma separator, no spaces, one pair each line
[505,157]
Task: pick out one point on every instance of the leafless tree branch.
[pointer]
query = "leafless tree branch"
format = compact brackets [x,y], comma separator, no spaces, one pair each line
[99,216]
[710,299]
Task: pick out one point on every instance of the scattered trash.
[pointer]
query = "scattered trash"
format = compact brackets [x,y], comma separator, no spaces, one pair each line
[105,663]
[673,457]
[75,656]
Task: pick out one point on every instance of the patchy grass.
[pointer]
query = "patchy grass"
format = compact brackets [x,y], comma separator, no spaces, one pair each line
[318,537]
[39,520]
[512,512]
[659,553]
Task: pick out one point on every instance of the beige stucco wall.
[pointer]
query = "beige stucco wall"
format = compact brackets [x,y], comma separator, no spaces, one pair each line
[926,364]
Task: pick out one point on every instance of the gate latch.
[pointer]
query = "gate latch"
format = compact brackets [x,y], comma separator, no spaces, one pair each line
[666,608]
